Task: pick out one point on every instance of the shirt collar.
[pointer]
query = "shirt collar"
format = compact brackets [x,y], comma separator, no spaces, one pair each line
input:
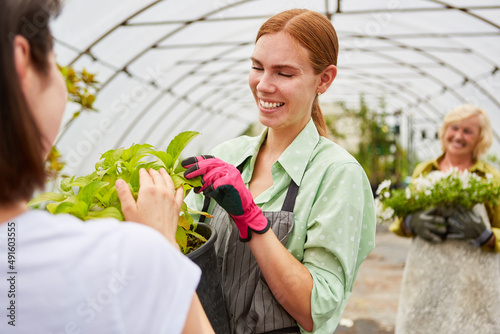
[252,148]
[297,155]
[294,159]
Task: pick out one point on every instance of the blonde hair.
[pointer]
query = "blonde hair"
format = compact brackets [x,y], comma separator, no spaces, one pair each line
[316,34]
[461,113]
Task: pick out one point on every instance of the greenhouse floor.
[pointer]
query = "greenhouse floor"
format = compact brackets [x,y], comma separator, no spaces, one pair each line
[373,304]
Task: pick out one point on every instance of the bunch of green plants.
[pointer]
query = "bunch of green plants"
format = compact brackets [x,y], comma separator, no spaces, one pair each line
[437,189]
[94,195]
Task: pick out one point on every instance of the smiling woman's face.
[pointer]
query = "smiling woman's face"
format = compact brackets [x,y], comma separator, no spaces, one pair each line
[283,82]
[460,138]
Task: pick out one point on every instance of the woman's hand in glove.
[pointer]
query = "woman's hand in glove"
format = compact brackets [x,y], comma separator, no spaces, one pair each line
[427,224]
[223,182]
[466,225]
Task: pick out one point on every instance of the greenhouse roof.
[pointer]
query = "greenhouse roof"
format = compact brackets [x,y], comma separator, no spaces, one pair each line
[169,66]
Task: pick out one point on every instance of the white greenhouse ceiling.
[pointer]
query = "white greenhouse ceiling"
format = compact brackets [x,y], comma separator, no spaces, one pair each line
[166,66]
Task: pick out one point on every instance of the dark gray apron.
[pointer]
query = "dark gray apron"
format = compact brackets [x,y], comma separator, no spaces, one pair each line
[250,304]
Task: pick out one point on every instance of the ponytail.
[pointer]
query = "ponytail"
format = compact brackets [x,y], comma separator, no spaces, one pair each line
[318,118]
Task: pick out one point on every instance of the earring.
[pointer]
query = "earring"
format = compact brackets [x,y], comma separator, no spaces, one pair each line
[319,94]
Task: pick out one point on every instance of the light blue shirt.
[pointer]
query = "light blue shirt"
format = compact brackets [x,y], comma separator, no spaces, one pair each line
[334,215]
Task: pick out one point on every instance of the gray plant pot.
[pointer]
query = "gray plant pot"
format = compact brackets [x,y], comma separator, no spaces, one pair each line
[210,288]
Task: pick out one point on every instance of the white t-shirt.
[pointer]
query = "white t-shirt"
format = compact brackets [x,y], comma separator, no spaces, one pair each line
[101,276]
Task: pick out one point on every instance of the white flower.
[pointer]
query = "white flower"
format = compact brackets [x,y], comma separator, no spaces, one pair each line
[383,215]
[463,177]
[489,176]
[422,183]
[383,185]
[407,193]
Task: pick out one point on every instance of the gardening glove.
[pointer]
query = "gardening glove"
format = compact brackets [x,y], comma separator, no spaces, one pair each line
[223,182]
[464,224]
[427,224]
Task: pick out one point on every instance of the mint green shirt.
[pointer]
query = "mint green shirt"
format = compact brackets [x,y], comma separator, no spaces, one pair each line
[334,215]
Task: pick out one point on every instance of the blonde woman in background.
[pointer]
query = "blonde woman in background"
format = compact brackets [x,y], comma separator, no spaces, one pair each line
[451,281]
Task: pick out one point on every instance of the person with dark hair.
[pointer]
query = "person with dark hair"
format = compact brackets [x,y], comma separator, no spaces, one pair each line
[60,275]
[293,211]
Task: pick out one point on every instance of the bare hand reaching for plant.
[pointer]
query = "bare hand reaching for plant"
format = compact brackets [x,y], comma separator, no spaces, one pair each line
[158,203]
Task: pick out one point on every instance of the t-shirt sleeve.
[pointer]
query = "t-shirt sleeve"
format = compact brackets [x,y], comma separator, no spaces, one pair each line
[154,282]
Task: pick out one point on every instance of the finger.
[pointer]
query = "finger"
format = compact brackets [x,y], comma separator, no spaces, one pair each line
[437,220]
[431,237]
[167,179]
[145,182]
[158,179]
[127,201]
[216,175]
[474,217]
[455,223]
[203,166]
[431,218]
[455,236]
[179,197]
[188,162]
[435,228]
[192,171]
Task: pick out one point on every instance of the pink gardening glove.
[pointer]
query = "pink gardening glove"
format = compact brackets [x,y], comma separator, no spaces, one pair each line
[223,182]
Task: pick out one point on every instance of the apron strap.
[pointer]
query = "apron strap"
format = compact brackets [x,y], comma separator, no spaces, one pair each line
[291,195]
[206,204]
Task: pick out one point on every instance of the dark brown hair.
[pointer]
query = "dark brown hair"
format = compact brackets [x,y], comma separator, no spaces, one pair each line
[316,34]
[21,149]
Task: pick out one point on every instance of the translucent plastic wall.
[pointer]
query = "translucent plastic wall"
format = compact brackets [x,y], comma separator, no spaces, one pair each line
[169,66]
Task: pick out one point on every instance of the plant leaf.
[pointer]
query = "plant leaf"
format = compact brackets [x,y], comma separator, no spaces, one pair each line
[110,212]
[179,179]
[165,158]
[88,192]
[196,212]
[183,222]
[51,207]
[197,235]
[46,197]
[66,184]
[181,238]
[179,142]
[78,210]
[63,206]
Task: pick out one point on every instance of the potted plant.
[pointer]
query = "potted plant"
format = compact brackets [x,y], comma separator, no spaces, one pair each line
[94,196]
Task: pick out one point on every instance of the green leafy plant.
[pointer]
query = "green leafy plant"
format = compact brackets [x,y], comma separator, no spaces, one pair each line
[94,195]
[435,189]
